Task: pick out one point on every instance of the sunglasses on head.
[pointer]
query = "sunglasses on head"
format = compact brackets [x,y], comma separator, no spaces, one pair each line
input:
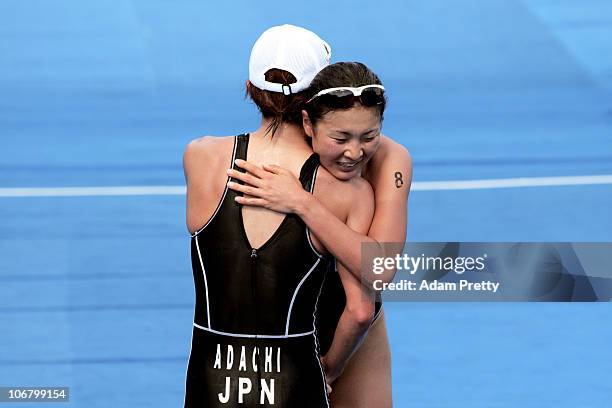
[345,96]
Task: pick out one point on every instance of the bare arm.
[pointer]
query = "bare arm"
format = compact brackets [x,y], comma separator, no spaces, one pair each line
[204,163]
[359,308]
[390,175]
[195,156]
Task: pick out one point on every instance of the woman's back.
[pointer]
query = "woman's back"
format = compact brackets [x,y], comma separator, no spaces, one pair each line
[253,338]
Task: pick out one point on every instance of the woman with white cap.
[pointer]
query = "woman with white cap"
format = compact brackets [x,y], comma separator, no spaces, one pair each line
[258,273]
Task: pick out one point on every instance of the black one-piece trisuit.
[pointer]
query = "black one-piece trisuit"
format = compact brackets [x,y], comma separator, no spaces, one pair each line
[254,342]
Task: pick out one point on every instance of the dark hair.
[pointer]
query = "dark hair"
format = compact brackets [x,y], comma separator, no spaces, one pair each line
[277,106]
[353,74]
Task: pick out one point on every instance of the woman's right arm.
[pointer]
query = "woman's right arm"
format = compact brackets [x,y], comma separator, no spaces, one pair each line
[359,307]
[391,178]
[390,175]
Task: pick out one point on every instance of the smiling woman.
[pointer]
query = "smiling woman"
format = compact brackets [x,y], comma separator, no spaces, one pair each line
[344,117]
[345,140]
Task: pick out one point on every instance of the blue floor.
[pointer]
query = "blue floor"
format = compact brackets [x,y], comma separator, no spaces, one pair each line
[96,293]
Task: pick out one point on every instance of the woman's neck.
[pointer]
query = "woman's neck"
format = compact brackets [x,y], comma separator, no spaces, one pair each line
[287,136]
[287,148]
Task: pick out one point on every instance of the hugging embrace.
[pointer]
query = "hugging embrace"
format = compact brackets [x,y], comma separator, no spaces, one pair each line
[285,316]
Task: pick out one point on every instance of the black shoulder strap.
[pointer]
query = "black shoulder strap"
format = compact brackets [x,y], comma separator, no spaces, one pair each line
[308,171]
[242,144]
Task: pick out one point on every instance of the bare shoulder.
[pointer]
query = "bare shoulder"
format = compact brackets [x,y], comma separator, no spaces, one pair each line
[340,196]
[360,187]
[207,147]
[205,162]
[206,151]
[395,152]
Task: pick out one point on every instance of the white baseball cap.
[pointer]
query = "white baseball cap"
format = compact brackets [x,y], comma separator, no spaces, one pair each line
[289,48]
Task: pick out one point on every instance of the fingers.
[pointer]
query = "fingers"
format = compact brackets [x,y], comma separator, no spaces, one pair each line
[258,172]
[245,189]
[329,388]
[251,168]
[272,168]
[257,202]
[244,177]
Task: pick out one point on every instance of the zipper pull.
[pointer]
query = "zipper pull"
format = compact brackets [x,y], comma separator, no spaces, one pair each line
[253,253]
